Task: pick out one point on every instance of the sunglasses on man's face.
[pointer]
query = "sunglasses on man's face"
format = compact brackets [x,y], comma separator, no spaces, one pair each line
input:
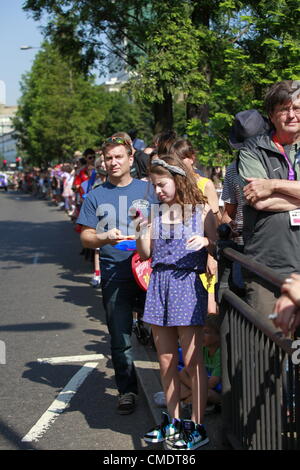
[91,157]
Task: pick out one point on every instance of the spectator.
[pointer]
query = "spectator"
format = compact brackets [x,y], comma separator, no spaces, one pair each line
[212,358]
[269,169]
[140,164]
[157,139]
[68,194]
[138,144]
[150,148]
[184,150]
[101,173]
[3,181]
[248,123]
[176,302]
[233,198]
[79,177]
[164,140]
[89,155]
[100,179]
[287,308]
[217,177]
[212,361]
[54,186]
[119,289]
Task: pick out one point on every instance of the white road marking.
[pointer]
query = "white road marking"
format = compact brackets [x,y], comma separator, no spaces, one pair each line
[64,359]
[60,403]
[35,259]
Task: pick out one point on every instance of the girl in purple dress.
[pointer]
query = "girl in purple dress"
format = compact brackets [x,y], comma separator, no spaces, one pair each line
[181,232]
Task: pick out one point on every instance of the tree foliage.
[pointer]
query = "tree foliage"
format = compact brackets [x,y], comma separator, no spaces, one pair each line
[219,55]
[61,111]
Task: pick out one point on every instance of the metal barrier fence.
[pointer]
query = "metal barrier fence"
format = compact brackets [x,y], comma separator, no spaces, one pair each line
[260,377]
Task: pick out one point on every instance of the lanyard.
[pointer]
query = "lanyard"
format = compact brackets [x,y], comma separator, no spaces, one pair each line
[281,150]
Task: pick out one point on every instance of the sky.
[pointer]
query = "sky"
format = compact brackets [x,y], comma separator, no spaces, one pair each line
[17,28]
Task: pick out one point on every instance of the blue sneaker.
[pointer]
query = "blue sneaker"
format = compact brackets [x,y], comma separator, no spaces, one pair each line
[168,429]
[191,437]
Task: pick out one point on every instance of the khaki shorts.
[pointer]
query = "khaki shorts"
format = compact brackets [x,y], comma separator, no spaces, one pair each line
[261,295]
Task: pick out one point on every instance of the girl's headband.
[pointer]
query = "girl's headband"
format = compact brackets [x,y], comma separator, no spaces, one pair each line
[171,168]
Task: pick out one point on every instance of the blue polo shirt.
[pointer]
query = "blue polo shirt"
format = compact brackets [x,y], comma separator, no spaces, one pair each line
[107,207]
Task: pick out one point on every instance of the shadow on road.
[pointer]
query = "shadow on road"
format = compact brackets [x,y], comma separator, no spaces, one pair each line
[14,438]
[48,242]
[36,326]
[92,400]
[56,242]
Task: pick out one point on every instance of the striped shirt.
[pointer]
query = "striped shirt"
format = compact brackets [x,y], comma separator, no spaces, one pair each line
[233,194]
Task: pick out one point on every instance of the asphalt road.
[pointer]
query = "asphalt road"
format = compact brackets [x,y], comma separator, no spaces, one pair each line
[49,310]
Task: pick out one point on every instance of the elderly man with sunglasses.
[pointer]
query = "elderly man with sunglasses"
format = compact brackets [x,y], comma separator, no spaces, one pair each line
[269,167]
[106,224]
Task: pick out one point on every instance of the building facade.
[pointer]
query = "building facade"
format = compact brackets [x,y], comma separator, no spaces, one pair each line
[8,144]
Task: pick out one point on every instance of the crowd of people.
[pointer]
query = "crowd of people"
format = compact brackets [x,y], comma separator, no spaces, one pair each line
[154,201]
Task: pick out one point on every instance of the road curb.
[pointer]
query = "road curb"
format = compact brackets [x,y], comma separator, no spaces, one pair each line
[147,371]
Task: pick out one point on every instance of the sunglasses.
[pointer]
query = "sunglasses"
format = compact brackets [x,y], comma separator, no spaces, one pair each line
[91,157]
[117,140]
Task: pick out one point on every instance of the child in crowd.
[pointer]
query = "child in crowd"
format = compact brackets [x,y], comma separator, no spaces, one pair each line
[176,304]
[212,362]
[212,359]
[100,178]
[68,194]
[183,149]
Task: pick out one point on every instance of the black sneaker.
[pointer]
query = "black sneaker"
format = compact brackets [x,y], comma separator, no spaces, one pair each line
[191,437]
[126,403]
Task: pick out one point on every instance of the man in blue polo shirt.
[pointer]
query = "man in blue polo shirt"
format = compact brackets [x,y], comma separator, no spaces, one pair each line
[105,220]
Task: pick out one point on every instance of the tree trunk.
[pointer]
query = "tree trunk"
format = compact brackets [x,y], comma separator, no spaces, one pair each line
[197,111]
[200,16]
[163,114]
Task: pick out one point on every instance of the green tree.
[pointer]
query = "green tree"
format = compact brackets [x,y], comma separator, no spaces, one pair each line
[219,54]
[255,44]
[61,110]
[125,114]
[93,32]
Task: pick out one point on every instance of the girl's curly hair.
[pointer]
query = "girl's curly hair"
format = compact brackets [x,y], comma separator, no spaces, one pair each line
[187,191]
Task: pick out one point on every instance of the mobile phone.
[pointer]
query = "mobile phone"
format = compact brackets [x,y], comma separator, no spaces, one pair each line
[135,213]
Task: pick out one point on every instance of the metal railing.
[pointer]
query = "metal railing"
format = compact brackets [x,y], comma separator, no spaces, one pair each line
[260,382]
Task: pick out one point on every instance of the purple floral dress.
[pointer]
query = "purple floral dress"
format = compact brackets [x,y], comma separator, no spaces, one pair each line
[176,296]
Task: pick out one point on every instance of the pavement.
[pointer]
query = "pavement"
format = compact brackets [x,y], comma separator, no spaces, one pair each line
[43,262]
[49,311]
[147,369]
